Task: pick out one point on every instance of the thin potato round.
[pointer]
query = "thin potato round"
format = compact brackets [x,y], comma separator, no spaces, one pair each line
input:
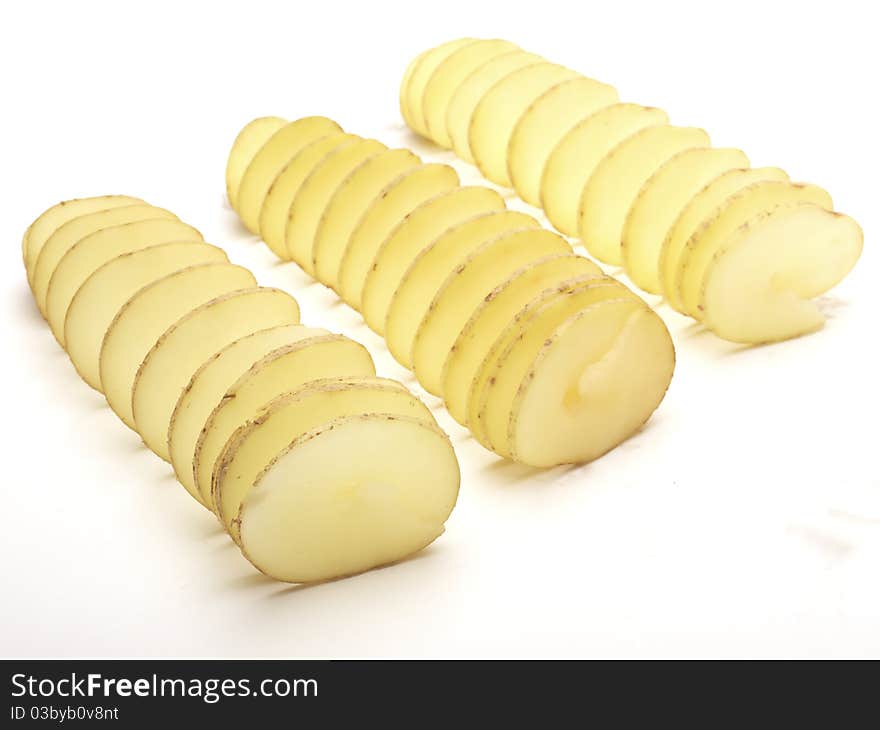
[248,142]
[312,516]
[404,84]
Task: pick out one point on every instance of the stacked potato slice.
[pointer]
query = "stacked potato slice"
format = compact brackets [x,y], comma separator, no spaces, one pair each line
[742,250]
[317,468]
[543,357]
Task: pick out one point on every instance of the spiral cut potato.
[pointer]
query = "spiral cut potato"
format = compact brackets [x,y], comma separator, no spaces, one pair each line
[316,468]
[544,358]
[742,250]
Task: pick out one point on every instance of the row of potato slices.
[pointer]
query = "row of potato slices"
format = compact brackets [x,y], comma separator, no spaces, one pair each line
[740,249]
[544,358]
[251,408]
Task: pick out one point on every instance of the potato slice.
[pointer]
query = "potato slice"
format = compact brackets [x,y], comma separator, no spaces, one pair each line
[660,202]
[191,341]
[494,314]
[142,320]
[109,287]
[595,381]
[211,381]
[314,194]
[759,285]
[701,207]
[52,219]
[404,84]
[465,288]
[573,160]
[274,214]
[416,234]
[248,142]
[288,416]
[500,109]
[396,202]
[69,234]
[448,76]
[313,516]
[470,91]
[284,369]
[734,212]
[90,253]
[543,125]
[350,201]
[617,179]
[271,159]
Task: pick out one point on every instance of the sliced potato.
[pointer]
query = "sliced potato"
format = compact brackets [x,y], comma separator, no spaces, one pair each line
[284,369]
[757,198]
[90,253]
[211,381]
[494,314]
[421,281]
[617,179]
[271,159]
[312,516]
[109,287]
[660,202]
[248,142]
[573,160]
[594,382]
[446,79]
[760,282]
[396,202]
[350,201]
[275,212]
[497,113]
[414,235]
[191,341]
[465,288]
[288,416]
[701,207]
[404,84]
[543,125]
[152,310]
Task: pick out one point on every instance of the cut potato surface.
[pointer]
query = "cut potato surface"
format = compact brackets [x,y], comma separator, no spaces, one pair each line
[211,381]
[246,145]
[616,182]
[544,124]
[404,85]
[142,320]
[109,287]
[415,235]
[253,446]
[95,250]
[759,285]
[312,516]
[348,204]
[660,202]
[280,371]
[572,162]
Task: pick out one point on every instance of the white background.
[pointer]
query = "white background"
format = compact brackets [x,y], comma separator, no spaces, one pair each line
[744,520]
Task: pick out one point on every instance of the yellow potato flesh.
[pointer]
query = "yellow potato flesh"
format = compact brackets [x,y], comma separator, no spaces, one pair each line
[312,516]
[248,142]
[404,85]
[544,124]
[109,287]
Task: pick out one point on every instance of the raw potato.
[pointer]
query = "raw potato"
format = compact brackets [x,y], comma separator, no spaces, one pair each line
[289,416]
[109,287]
[312,516]
[421,74]
[211,381]
[95,250]
[142,320]
[350,201]
[574,159]
[191,341]
[280,371]
[759,285]
[660,202]
[246,145]
[413,237]
[543,125]
[616,182]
